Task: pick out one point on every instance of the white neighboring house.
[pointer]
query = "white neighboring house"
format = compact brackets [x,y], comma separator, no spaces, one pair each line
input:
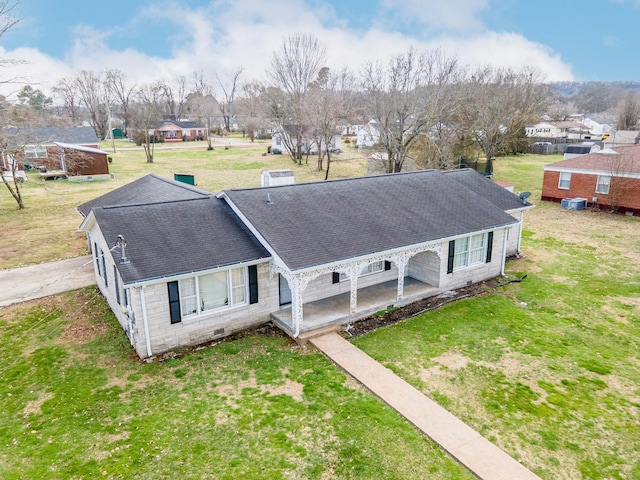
[556,129]
[368,135]
[309,146]
[181,266]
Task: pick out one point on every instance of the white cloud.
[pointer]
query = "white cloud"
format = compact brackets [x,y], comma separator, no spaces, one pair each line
[228,34]
[458,15]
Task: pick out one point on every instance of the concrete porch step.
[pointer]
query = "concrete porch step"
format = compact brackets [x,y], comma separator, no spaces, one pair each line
[304,337]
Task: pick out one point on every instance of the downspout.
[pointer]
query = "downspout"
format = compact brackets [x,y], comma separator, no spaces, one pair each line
[520,228]
[145,325]
[504,252]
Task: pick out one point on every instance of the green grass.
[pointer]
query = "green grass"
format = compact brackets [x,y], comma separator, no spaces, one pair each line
[76,404]
[546,368]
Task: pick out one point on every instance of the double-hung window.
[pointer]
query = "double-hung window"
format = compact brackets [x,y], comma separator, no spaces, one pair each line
[208,292]
[468,251]
[604,182]
[565,180]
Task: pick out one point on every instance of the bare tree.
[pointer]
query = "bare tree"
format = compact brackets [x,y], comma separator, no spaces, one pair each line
[9,144]
[146,114]
[291,71]
[202,104]
[629,111]
[405,99]
[95,97]
[11,149]
[226,103]
[67,92]
[7,21]
[174,95]
[497,103]
[620,179]
[329,98]
[250,108]
[122,94]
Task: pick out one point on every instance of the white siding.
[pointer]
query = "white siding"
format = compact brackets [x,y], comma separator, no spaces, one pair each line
[475,273]
[165,336]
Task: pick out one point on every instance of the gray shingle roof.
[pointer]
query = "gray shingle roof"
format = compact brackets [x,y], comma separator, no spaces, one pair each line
[166,239]
[146,190]
[48,135]
[487,189]
[315,223]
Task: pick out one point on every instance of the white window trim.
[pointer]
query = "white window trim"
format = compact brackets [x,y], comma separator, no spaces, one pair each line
[230,303]
[604,191]
[35,151]
[469,250]
[568,181]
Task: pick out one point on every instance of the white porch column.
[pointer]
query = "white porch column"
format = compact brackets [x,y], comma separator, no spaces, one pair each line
[401,264]
[353,279]
[296,305]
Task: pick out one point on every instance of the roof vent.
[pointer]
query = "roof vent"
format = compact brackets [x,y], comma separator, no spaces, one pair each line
[269,201]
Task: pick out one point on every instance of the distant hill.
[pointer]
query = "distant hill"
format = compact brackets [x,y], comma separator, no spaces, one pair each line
[568,89]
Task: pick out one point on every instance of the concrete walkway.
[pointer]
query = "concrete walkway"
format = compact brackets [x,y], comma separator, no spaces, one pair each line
[480,456]
[36,281]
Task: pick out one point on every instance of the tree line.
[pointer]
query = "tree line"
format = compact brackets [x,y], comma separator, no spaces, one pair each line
[424,105]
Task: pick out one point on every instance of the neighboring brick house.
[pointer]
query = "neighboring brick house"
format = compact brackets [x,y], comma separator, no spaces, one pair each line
[608,179]
[66,151]
[176,131]
[196,266]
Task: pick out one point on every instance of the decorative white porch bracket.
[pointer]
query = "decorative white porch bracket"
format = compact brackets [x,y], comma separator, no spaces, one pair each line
[298,281]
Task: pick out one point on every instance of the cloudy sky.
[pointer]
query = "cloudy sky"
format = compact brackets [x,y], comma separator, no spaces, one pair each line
[584,40]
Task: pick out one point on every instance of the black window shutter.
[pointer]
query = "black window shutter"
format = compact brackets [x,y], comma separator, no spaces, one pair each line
[452,251]
[115,279]
[336,277]
[489,246]
[174,302]
[387,265]
[253,284]
[97,256]
[104,270]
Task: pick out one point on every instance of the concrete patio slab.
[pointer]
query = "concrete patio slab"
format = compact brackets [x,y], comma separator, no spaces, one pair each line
[475,452]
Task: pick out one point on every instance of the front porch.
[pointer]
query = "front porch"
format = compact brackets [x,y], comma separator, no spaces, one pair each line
[335,310]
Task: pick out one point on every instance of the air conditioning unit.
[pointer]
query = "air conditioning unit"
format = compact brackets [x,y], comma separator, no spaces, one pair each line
[578,204]
[573,203]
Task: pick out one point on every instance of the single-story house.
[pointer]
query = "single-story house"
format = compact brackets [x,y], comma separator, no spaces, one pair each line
[309,145]
[177,131]
[608,179]
[303,255]
[38,147]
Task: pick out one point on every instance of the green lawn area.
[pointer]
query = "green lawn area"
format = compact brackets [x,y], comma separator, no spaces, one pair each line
[547,368]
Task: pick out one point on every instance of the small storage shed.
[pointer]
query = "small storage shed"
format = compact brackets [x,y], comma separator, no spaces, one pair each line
[273,178]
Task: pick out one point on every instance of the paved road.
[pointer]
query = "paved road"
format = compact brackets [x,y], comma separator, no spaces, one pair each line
[475,452]
[36,281]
